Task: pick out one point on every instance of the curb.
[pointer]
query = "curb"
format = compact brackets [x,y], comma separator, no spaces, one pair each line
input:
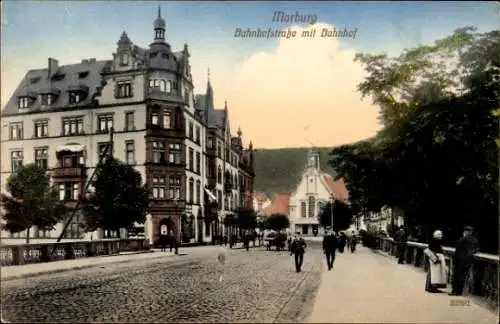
[36,274]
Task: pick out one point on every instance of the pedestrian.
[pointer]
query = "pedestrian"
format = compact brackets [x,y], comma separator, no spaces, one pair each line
[171,239]
[329,248]
[463,258]
[246,241]
[163,242]
[298,249]
[225,240]
[436,264]
[342,242]
[401,239]
[353,241]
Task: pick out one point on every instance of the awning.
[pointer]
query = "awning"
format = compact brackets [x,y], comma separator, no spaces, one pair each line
[70,148]
[211,195]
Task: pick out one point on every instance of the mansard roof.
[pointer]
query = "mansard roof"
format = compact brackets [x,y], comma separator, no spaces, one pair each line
[86,75]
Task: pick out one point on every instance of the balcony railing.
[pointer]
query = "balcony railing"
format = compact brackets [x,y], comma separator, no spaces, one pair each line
[482,280]
[72,172]
[47,252]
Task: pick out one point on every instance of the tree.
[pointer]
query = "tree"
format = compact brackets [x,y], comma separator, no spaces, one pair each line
[230,220]
[118,199]
[436,157]
[277,222]
[342,215]
[31,201]
[246,218]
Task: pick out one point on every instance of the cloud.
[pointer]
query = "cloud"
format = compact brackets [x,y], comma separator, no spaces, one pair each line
[311,82]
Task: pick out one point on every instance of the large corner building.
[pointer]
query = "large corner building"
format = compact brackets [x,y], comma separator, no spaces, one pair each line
[59,117]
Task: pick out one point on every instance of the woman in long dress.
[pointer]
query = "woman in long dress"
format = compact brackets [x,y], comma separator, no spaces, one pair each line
[436,267]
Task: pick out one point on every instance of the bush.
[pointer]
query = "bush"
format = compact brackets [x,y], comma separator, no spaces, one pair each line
[370,240]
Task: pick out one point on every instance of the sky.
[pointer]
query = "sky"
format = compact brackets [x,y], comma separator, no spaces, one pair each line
[293,92]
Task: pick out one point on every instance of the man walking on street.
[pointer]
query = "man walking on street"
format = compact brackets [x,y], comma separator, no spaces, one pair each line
[465,249]
[401,239]
[329,248]
[298,249]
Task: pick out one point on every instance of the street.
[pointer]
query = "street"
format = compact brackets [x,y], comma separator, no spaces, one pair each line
[253,286]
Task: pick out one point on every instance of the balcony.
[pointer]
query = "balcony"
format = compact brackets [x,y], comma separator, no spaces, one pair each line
[72,172]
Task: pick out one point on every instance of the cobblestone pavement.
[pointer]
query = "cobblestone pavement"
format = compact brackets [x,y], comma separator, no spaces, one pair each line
[256,286]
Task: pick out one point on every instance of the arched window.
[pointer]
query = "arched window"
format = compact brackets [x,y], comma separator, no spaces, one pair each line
[219,175]
[162,85]
[156,83]
[151,83]
[191,190]
[312,206]
[303,209]
[198,191]
[168,86]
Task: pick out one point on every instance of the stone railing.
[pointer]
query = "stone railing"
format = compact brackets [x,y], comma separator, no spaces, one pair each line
[46,252]
[482,280]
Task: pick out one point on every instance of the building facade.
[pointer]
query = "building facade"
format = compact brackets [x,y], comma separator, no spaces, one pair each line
[260,202]
[60,118]
[314,190]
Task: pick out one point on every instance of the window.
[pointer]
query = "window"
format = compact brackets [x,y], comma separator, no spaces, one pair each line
[42,233]
[320,206]
[174,153]
[191,132]
[219,150]
[219,198]
[102,148]
[197,135]
[303,209]
[41,157]
[124,59]
[75,97]
[174,187]
[24,102]
[69,161]
[72,126]
[158,152]
[219,175]
[35,80]
[312,205]
[159,187]
[198,191]
[167,120]
[168,87]
[162,85]
[191,190]
[46,99]
[124,90]
[174,85]
[130,152]
[105,123]
[41,128]
[83,75]
[198,162]
[191,160]
[129,121]
[68,191]
[16,131]
[155,118]
[16,160]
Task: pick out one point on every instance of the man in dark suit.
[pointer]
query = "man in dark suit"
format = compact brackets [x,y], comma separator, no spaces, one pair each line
[401,239]
[298,249]
[463,258]
[329,248]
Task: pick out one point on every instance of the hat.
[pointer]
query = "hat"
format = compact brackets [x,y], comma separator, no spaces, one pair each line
[469,228]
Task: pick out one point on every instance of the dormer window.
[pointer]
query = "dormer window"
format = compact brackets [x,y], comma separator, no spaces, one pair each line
[124,90]
[24,102]
[124,59]
[83,75]
[46,99]
[34,80]
[58,77]
[75,97]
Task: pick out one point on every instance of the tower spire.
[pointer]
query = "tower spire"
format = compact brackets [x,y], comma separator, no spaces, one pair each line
[159,11]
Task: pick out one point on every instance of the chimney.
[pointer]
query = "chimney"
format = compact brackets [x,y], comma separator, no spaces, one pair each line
[85,61]
[92,60]
[53,66]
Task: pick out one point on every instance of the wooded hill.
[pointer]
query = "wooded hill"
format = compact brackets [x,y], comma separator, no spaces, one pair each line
[279,170]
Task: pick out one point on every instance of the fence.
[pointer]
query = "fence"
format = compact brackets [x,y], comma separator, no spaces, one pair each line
[46,252]
[482,280]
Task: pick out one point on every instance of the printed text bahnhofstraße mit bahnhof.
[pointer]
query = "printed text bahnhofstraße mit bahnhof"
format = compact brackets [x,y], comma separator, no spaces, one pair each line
[282,17]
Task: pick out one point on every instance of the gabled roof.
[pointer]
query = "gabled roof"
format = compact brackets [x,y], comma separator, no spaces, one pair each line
[279,205]
[337,188]
[71,78]
[216,118]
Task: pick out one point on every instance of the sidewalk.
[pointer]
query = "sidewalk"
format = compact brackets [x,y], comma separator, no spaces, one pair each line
[35,269]
[366,287]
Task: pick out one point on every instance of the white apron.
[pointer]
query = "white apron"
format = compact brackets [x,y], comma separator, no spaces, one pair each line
[438,271]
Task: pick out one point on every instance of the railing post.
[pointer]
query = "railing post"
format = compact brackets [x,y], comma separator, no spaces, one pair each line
[44,253]
[17,255]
